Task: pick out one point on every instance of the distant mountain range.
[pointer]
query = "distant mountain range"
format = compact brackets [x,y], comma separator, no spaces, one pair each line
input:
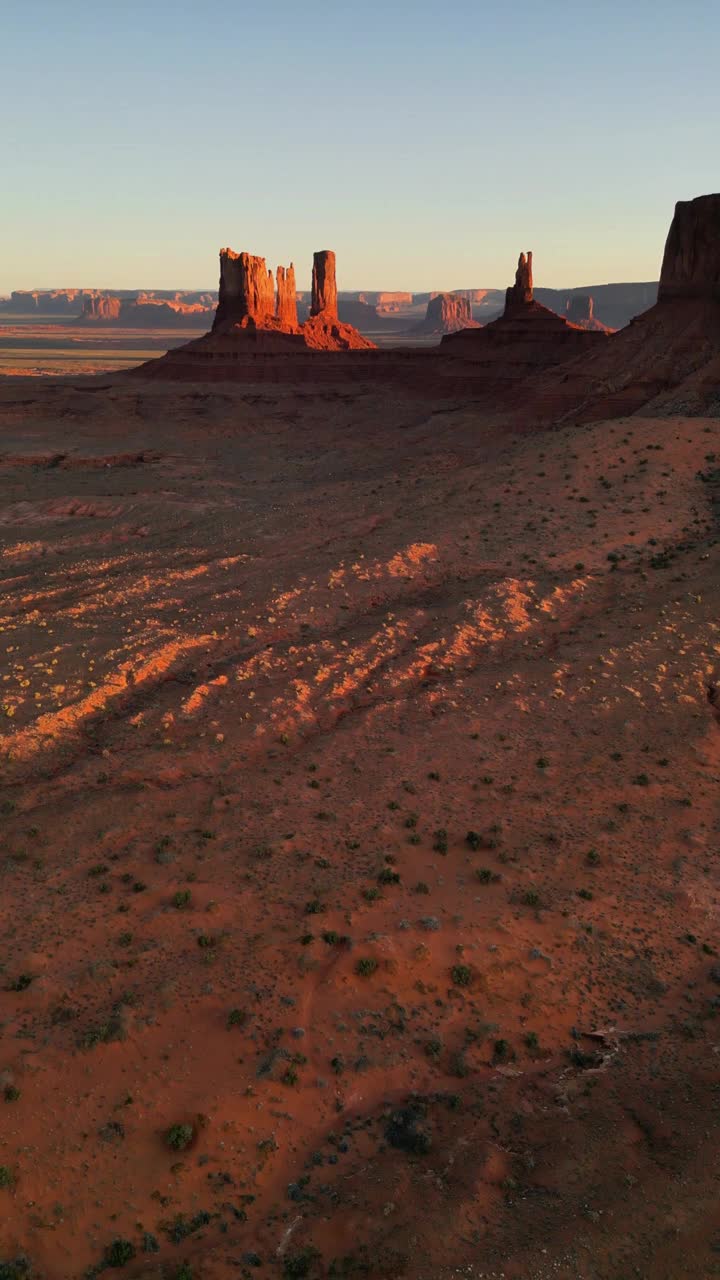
[614,305]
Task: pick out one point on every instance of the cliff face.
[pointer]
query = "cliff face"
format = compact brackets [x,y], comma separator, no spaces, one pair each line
[104,307]
[691,263]
[447,313]
[287,315]
[246,291]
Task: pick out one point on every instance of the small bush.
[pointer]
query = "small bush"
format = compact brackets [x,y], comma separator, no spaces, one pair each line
[366,967]
[119,1253]
[461,975]
[179,1136]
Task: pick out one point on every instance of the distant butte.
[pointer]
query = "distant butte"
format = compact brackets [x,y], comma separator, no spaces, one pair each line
[529,359]
[581,311]
[447,313]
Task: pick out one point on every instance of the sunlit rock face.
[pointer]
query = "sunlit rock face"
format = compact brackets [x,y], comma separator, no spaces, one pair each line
[691,263]
[286,314]
[247,292]
[324,286]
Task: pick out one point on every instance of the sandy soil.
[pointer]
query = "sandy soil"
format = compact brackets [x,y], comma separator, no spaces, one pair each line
[359,838]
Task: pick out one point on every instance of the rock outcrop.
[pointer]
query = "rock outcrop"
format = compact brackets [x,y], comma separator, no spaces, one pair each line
[580,310]
[521,291]
[447,313]
[145,312]
[255,331]
[286,310]
[691,262]
[667,360]
[525,339]
[247,294]
[324,285]
[104,307]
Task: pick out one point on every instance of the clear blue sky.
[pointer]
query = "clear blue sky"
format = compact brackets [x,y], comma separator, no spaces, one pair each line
[426,142]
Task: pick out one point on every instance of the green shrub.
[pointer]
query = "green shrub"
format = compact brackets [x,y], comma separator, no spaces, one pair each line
[179,1136]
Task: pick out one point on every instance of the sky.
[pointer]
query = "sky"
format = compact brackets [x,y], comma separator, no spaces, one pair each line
[428,143]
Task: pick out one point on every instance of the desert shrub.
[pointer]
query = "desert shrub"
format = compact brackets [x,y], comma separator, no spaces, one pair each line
[179,1136]
[461,975]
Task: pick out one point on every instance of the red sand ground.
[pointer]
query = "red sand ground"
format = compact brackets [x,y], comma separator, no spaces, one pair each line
[359,813]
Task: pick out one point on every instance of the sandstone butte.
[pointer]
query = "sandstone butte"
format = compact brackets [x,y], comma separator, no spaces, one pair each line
[447,313]
[530,357]
[250,307]
[581,311]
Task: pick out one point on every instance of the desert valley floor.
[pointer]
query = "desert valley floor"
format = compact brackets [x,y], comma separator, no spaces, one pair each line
[360,762]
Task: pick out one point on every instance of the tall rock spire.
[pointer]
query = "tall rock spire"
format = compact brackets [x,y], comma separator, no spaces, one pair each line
[324,287]
[286,297]
[522,290]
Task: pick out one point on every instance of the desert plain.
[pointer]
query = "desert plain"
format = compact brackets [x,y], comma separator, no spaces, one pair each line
[360,761]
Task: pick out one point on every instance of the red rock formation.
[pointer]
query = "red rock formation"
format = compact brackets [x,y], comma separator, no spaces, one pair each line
[691,263]
[667,360]
[146,312]
[246,293]
[328,333]
[286,312]
[324,287]
[581,311]
[103,307]
[579,308]
[447,313]
[527,338]
[522,291]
